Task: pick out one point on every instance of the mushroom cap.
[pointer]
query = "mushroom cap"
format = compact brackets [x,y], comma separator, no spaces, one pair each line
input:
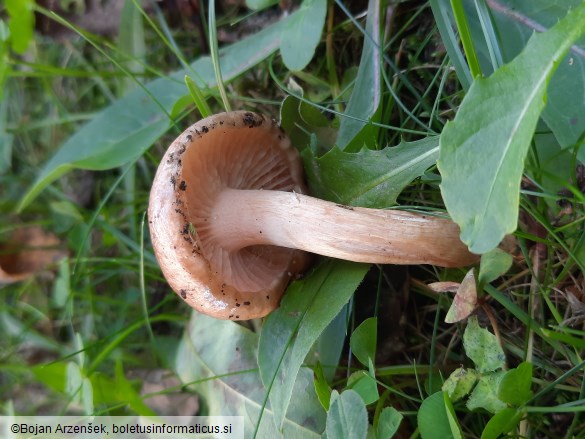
[237,150]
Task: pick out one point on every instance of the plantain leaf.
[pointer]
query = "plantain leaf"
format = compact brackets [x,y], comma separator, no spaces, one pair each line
[218,358]
[369,178]
[123,131]
[289,332]
[482,151]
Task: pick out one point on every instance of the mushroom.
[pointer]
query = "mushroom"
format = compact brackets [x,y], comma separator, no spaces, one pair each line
[230,224]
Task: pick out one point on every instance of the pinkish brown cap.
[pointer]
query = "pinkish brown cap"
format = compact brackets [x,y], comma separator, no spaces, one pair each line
[237,150]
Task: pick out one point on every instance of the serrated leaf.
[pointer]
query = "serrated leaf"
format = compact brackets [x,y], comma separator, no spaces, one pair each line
[365,97]
[482,151]
[515,387]
[482,347]
[124,130]
[302,34]
[369,178]
[289,332]
[388,423]
[347,417]
[218,358]
[465,300]
[485,393]
[363,340]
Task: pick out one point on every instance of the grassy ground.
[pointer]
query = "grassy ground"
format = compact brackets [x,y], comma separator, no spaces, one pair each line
[100,331]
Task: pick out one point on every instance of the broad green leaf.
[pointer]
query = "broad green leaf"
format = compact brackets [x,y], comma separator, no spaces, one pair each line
[482,347]
[501,423]
[460,383]
[365,97]
[302,34]
[482,151]
[363,341]
[369,178]
[218,359]
[485,393]
[564,109]
[124,130]
[514,23]
[347,417]
[493,264]
[515,387]
[364,385]
[21,24]
[432,419]
[388,423]
[289,332]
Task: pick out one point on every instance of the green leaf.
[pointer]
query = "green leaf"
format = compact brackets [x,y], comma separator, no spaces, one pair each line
[365,97]
[260,4]
[515,387]
[514,22]
[305,125]
[302,34]
[124,130]
[483,150]
[5,69]
[452,417]
[347,417]
[460,383]
[433,422]
[369,178]
[322,387]
[289,332]
[493,264]
[388,423]
[6,138]
[125,392]
[364,385]
[482,347]
[363,341]
[21,24]
[218,359]
[485,393]
[501,423]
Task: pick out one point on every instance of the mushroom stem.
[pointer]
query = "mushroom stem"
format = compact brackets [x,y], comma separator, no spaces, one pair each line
[287,219]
